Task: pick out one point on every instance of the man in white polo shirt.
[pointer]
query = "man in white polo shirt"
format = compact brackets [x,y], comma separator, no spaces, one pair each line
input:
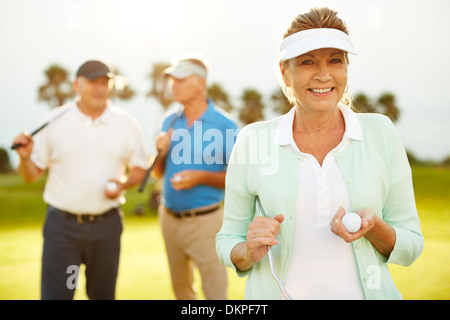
[86,148]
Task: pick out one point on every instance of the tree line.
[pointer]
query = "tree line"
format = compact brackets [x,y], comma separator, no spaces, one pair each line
[57,89]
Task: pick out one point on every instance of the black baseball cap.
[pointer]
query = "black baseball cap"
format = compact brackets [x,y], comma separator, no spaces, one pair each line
[93,69]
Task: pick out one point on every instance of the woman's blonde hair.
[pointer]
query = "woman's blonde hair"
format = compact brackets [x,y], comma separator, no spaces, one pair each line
[314,19]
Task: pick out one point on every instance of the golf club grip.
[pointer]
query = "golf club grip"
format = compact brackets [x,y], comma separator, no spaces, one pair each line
[144,182]
[18,145]
[15,146]
[147,175]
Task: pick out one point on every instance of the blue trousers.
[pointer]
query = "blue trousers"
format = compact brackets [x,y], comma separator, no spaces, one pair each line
[69,242]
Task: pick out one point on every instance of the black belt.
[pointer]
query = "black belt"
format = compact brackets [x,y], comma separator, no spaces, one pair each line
[191,213]
[87,218]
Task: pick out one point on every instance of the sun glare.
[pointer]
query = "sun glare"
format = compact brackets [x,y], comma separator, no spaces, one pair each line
[160,17]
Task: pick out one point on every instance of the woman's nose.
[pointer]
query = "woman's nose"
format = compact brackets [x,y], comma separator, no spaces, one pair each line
[323,72]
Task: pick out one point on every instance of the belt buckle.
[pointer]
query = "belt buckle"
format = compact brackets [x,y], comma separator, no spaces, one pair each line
[80,217]
[183,214]
[189,213]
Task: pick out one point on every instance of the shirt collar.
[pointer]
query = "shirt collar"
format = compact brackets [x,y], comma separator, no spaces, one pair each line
[208,114]
[106,114]
[352,126]
[103,118]
[283,133]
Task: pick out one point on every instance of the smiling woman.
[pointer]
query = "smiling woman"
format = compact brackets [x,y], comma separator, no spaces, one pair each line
[318,77]
[327,168]
[298,47]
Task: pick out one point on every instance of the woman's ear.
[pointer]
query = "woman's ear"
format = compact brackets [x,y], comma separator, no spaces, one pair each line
[285,75]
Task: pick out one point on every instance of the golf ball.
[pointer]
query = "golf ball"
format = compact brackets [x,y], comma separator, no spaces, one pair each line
[177,178]
[352,222]
[111,186]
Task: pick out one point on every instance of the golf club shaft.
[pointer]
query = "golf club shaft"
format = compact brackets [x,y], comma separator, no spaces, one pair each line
[18,145]
[271,262]
[275,275]
[60,113]
[147,175]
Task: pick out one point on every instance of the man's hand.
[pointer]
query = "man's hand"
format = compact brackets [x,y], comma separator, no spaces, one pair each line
[162,142]
[26,142]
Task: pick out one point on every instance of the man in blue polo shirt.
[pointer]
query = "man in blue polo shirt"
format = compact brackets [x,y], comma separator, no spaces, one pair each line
[194,147]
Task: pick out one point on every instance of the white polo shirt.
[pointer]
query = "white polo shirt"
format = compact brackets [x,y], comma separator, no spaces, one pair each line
[322,265]
[82,154]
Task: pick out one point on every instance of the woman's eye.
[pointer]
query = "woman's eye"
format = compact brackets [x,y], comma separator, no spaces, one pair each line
[307,62]
[336,60]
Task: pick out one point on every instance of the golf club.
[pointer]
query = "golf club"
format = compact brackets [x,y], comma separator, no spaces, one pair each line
[18,145]
[271,262]
[147,175]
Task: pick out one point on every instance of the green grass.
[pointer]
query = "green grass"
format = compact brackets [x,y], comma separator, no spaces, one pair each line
[143,268]
[429,276]
[143,271]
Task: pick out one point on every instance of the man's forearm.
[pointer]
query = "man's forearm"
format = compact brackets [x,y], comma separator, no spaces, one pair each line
[213,179]
[135,176]
[160,167]
[29,171]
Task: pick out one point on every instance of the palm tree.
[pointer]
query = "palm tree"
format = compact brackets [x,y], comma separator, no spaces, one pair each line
[122,89]
[388,105]
[362,103]
[159,88]
[281,103]
[252,108]
[58,88]
[219,96]
[385,104]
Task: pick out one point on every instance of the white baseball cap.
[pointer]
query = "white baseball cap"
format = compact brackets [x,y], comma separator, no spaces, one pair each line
[185,68]
[311,39]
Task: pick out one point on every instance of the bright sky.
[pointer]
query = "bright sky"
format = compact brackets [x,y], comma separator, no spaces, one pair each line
[402,46]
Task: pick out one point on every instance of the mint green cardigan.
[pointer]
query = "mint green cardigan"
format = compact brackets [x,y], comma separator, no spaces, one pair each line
[377,175]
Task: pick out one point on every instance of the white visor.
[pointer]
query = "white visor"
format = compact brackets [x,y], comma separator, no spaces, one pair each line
[183,69]
[307,40]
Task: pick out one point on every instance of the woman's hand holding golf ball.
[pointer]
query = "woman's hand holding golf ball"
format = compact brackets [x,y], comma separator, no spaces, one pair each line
[113,189]
[352,225]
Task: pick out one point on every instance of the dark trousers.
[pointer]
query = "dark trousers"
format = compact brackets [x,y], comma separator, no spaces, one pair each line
[69,242]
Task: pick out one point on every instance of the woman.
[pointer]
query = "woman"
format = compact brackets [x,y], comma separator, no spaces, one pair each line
[324,160]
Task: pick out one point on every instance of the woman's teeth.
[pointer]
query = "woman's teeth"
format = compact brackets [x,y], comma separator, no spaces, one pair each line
[321,90]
